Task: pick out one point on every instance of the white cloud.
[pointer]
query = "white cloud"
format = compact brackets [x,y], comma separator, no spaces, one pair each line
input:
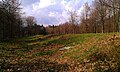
[53,11]
[51,14]
[45,3]
[63,2]
[80,9]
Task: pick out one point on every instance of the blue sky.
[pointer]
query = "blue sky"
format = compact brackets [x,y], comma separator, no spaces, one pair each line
[49,12]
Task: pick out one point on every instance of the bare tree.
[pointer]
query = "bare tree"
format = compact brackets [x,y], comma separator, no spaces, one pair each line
[73,19]
[85,16]
[114,5]
[110,5]
[10,18]
[30,22]
[102,13]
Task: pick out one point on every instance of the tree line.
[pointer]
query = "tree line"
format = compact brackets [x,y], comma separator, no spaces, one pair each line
[103,16]
[13,24]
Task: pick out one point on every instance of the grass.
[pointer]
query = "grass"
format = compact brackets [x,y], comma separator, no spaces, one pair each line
[48,52]
[41,53]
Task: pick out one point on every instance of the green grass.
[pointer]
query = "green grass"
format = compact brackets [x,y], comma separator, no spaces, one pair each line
[49,52]
[26,50]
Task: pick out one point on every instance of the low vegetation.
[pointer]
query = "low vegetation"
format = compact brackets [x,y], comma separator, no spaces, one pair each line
[88,52]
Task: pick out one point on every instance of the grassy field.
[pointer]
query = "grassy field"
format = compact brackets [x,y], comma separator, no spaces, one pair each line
[87,52]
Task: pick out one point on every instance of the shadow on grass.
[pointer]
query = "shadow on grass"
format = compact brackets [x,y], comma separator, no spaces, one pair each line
[39,66]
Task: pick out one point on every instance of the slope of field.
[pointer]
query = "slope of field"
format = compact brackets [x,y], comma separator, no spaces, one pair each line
[58,53]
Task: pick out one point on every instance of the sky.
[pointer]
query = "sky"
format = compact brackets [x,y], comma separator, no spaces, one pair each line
[49,12]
